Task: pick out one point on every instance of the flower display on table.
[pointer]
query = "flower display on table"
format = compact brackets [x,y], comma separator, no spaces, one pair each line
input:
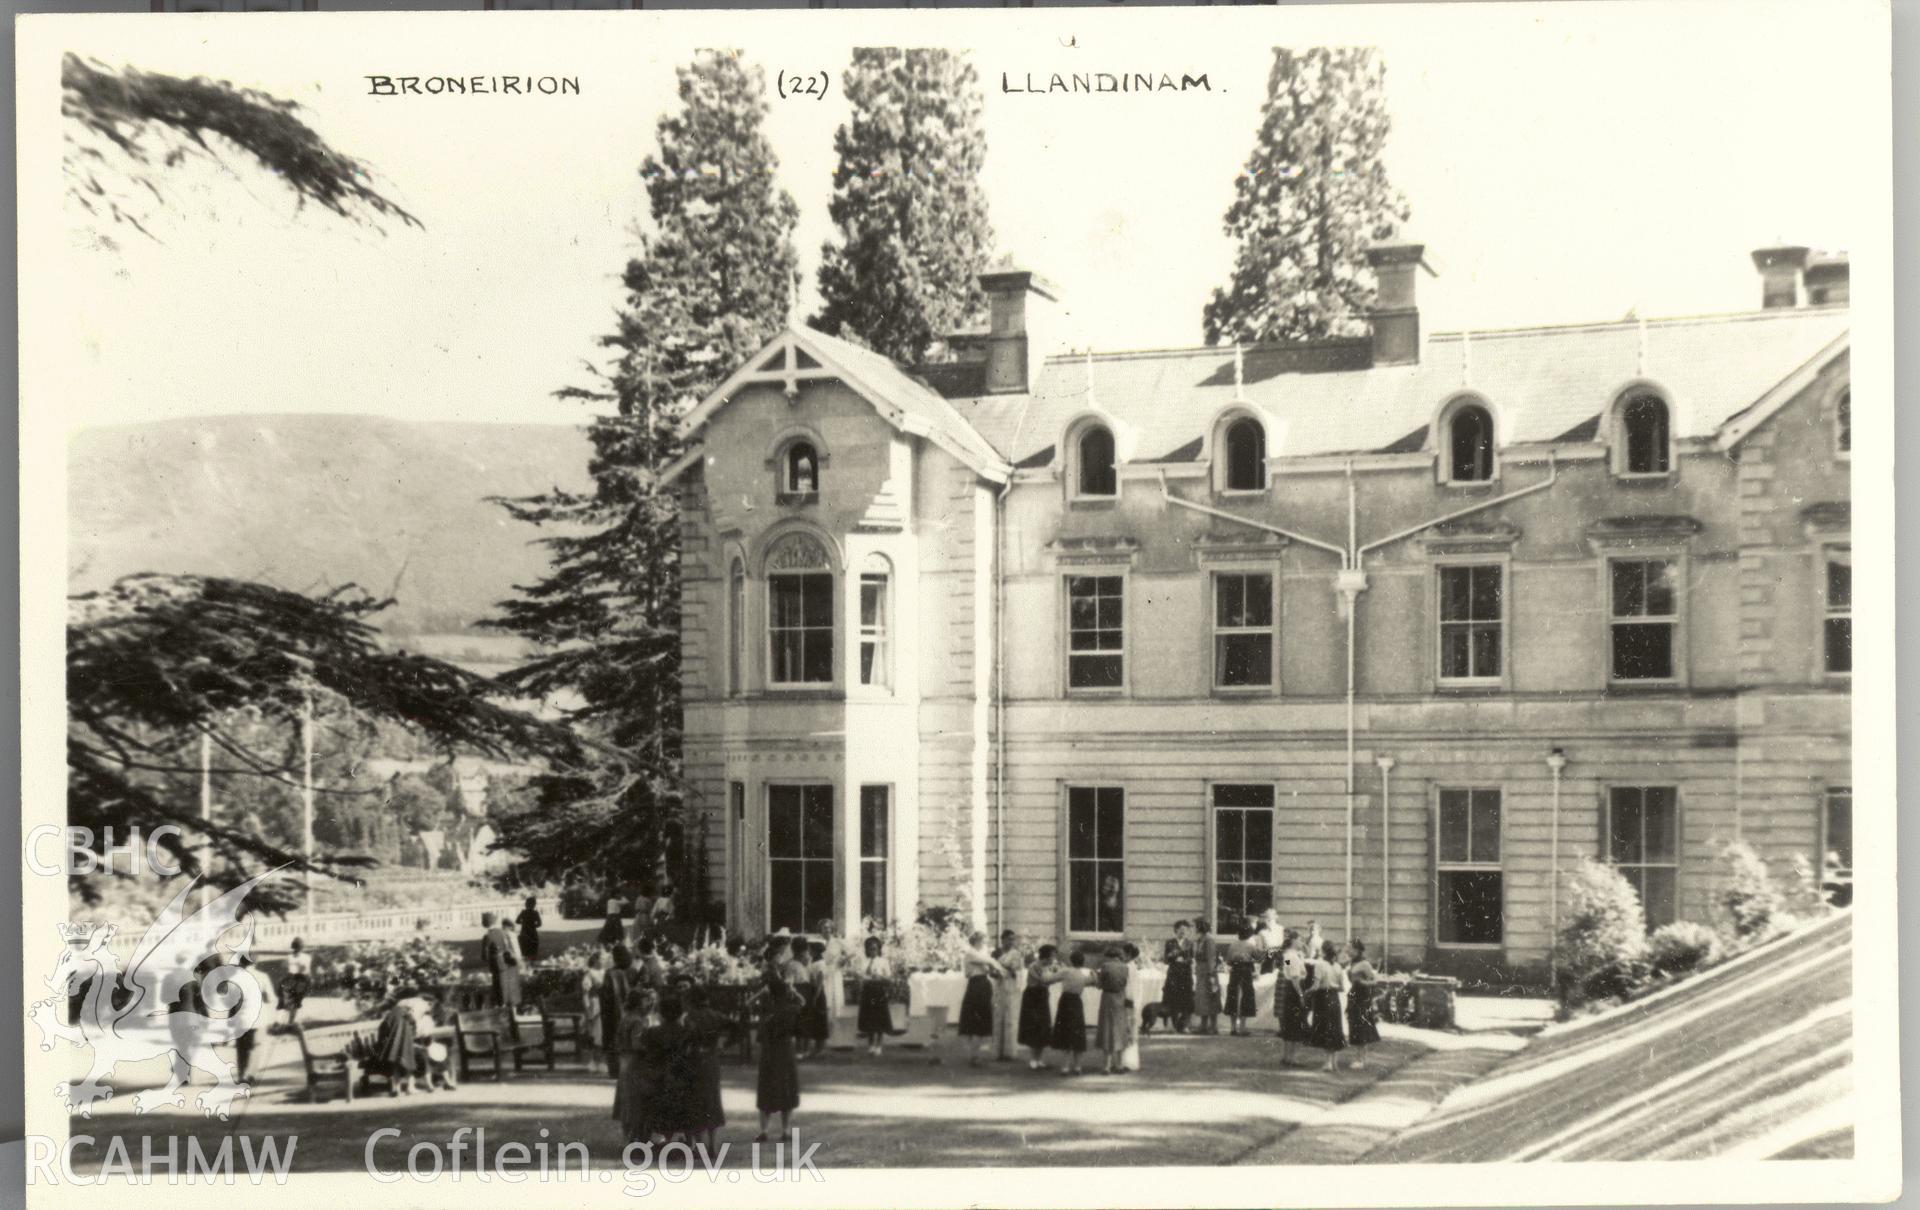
[712,966]
[378,973]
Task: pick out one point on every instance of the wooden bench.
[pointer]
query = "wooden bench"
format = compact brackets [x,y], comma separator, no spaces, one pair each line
[494,1034]
[331,1055]
[564,1018]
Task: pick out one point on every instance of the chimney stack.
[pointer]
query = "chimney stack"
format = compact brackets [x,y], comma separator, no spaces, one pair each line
[1782,269]
[1021,313]
[1395,318]
[1828,277]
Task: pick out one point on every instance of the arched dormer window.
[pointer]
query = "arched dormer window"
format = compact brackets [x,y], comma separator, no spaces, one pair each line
[1243,450]
[1094,471]
[799,612]
[800,471]
[1469,444]
[1644,440]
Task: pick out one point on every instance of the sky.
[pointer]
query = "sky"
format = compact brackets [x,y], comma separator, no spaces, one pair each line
[1563,164]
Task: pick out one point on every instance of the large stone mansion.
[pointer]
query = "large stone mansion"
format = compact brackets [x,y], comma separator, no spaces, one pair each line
[1385,631]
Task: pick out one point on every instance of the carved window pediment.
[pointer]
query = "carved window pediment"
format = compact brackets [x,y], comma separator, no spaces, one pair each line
[798,552]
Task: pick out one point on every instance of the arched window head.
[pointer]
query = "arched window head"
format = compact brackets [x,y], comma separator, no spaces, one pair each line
[1094,457]
[1470,445]
[800,470]
[799,612]
[798,552]
[1246,456]
[1643,434]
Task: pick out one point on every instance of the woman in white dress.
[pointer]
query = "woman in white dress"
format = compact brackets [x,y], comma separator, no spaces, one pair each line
[834,973]
[1136,1004]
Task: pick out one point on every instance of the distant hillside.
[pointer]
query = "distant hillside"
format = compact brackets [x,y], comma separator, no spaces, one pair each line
[310,502]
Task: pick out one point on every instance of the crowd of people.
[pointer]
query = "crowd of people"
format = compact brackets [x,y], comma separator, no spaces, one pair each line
[660,1036]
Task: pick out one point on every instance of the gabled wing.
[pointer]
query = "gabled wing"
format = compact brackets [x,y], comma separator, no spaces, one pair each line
[164,961]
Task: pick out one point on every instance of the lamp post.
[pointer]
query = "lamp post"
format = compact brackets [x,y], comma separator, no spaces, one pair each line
[1556,764]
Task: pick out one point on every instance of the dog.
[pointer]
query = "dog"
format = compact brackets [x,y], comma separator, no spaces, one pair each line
[1153,1015]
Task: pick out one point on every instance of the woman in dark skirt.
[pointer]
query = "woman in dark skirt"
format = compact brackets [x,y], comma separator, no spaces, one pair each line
[778,1087]
[708,1030]
[1325,1031]
[1363,1016]
[876,998]
[1290,997]
[1241,955]
[633,1093]
[1176,996]
[1070,1019]
[976,1006]
[1036,1023]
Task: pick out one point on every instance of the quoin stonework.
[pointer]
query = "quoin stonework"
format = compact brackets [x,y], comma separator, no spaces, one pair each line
[1386,631]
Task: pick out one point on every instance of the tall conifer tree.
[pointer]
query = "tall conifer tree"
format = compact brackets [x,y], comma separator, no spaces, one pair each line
[910,219]
[710,284]
[1313,196]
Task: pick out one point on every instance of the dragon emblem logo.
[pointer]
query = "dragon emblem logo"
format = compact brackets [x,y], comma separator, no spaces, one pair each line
[181,993]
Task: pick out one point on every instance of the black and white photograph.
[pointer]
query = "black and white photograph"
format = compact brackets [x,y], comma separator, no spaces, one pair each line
[1110,606]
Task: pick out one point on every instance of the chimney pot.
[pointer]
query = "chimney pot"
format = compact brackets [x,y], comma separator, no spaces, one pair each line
[1782,268]
[1395,318]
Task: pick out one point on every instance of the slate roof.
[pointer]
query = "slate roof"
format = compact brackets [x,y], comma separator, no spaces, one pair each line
[909,393]
[1546,384]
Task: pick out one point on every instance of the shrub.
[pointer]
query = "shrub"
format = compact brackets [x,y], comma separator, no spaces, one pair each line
[1750,898]
[1802,893]
[1681,946]
[1601,950]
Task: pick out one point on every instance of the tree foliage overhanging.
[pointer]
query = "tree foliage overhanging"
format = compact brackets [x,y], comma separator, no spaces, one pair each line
[155,662]
[1313,196]
[113,117]
[708,286]
[911,233]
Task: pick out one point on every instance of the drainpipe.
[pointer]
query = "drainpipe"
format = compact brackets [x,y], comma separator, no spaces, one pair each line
[1000,680]
[1352,582]
[1385,764]
[1000,707]
[1553,472]
[1166,494]
[1556,764]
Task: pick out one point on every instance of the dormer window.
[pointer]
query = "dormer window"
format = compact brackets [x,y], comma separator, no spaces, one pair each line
[800,472]
[1470,445]
[1245,456]
[1094,471]
[1644,445]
